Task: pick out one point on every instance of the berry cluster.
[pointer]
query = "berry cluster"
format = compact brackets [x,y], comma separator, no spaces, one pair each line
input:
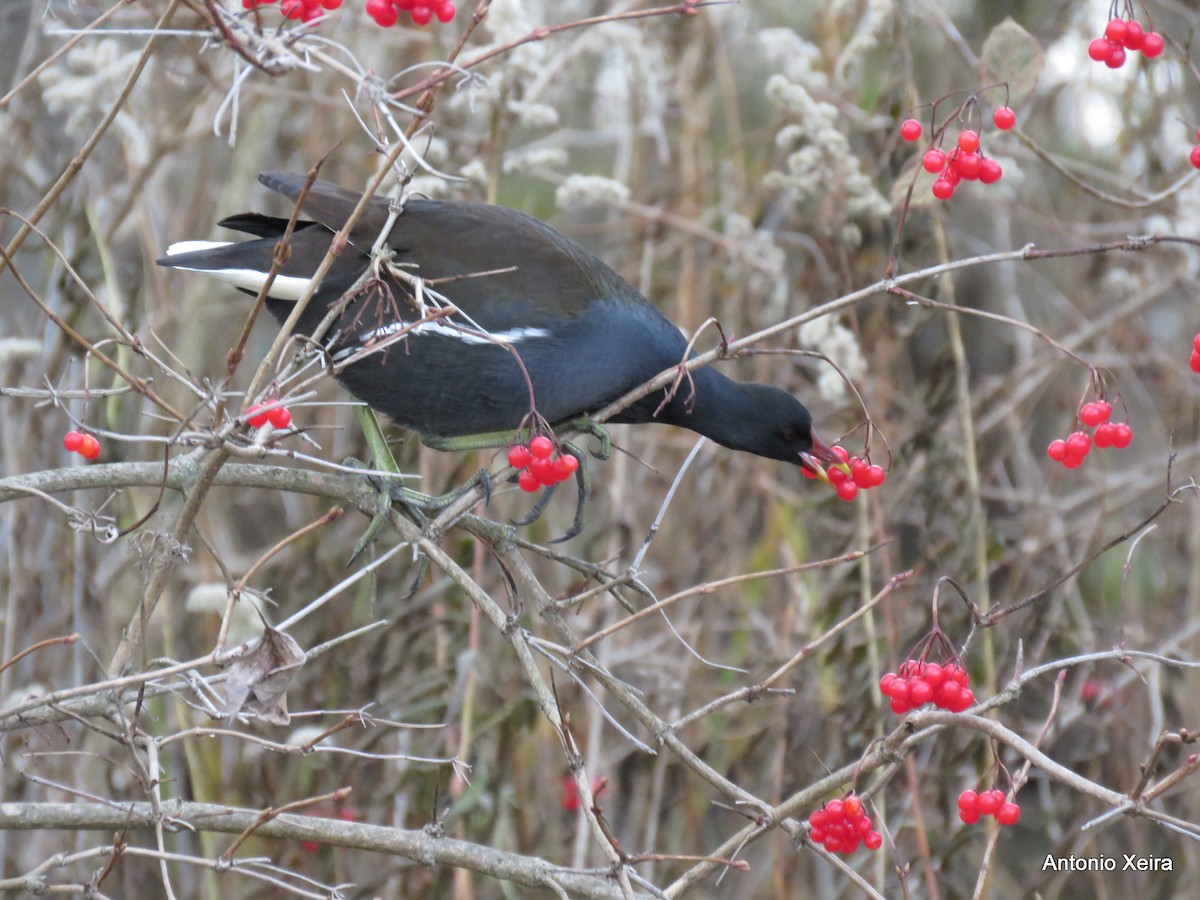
[918,683]
[966,161]
[841,825]
[1121,35]
[990,803]
[1071,450]
[850,474]
[538,465]
[387,12]
[1196,353]
[83,444]
[278,416]
[304,10]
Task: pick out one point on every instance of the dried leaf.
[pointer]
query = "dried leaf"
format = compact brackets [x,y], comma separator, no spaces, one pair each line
[1012,55]
[258,682]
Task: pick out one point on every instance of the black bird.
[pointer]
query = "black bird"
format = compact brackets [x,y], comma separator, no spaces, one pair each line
[584,335]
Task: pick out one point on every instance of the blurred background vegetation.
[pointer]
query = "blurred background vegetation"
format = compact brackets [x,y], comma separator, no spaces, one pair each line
[743,163]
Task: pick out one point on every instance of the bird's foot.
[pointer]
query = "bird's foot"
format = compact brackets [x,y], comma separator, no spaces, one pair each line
[413,505]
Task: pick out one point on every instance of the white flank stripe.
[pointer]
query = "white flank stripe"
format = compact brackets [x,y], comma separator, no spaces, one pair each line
[467,336]
[512,336]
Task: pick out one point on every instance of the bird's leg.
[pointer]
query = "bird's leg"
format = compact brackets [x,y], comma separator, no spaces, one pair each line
[584,425]
[381,458]
[413,504]
[493,440]
[583,484]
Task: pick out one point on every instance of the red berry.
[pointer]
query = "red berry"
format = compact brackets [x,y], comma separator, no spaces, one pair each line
[910,129]
[383,12]
[1194,156]
[835,810]
[255,418]
[1008,814]
[887,683]
[847,490]
[968,802]
[1152,45]
[1116,30]
[1078,444]
[542,469]
[1104,434]
[1196,360]
[934,161]
[935,675]
[1196,343]
[836,475]
[1057,450]
[965,701]
[873,840]
[955,672]
[528,481]
[72,441]
[1099,49]
[90,449]
[943,189]
[969,164]
[1004,118]
[445,12]
[853,807]
[899,706]
[876,476]
[1116,56]
[858,473]
[1134,35]
[840,453]
[949,695]
[567,463]
[279,417]
[968,141]
[1092,414]
[919,693]
[969,817]
[990,171]
[990,801]
[519,456]
[541,447]
[421,15]
[1122,435]
[818,818]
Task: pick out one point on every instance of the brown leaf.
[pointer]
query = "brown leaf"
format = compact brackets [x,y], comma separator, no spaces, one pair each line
[1012,55]
[258,682]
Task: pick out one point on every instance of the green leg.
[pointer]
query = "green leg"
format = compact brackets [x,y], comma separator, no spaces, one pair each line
[414,504]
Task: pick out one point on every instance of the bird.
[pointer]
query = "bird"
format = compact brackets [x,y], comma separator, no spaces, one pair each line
[528,320]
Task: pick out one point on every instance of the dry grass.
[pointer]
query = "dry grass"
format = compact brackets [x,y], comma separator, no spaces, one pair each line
[764,178]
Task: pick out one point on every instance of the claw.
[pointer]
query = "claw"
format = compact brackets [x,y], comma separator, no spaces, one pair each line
[584,486]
